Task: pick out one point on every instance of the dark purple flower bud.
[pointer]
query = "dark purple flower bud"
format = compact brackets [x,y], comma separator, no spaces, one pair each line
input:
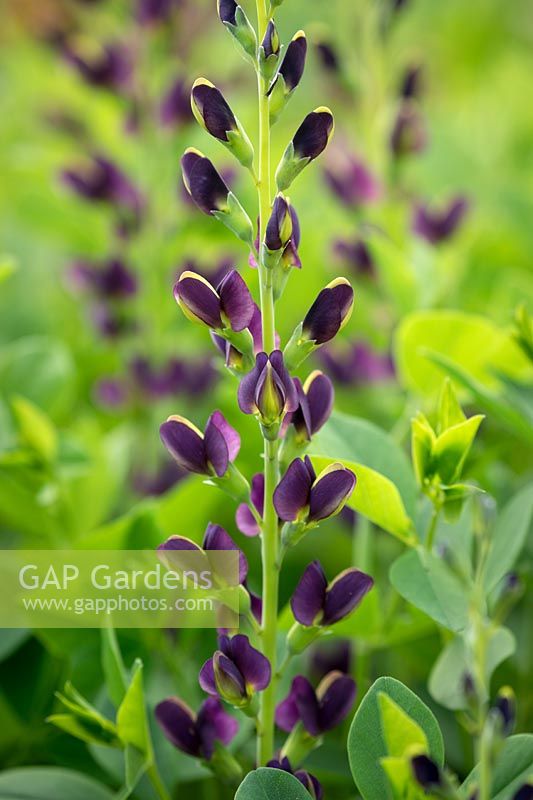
[109,68]
[215,538]
[351,181]
[315,602]
[328,57]
[309,141]
[356,255]
[227,10]
[437,226]
[315,404]
[245,520]
[331,657]
[321,710]
[302,496]
[330,312]
[235,20]
[270,43]
[211,109]
[409,133]
[196,734]
[211,194]
[525,792]
[504,710]
[208,453]
[175,107]
[203,182]
[411,83]
[155,484]
[229,306]
[306,779]
[293,64]
[113,279]
[359,365]
[279,227]
[150,12]
[426,773]
[236,672]
[268,390]
[111,321]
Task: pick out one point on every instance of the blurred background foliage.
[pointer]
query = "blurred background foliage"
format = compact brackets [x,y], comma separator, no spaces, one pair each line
[94,475]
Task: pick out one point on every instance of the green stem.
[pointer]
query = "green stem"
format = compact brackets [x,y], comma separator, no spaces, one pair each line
[270,537]
[157,783]
[430,536]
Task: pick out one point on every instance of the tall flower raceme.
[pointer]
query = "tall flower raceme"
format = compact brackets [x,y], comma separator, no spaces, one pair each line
[288,498]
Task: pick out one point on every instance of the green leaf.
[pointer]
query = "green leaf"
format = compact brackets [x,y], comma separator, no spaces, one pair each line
[451,449]
[367,744]
[8,265]
[422,443]
[450,412]
[400,732]
[472,342]
[271,784]
[132,723]
[50,783]
[513,767]
[428,583]
[11,639]
[376,498]
[35,428]
[79,729]
[113,666]
[446,679]
[509,536]
[395,271]
[359,441]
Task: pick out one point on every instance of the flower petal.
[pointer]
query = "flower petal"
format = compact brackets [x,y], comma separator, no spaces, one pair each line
[216,538]
[198,299]
[253,665]
[229,680]
[291,396]
[330,492]
[287,714]
[246,393]
[237,302]
[178,723]
[320,395]
[292,493]
[308,599]
[245,521]
[231,436]
[336,696]
[203,182]
[301,418]
[213,109]
[206,678]
[330,311]
[216,448]
[313,135]
[185,444]
[344,594]
[307,705]
[215,724]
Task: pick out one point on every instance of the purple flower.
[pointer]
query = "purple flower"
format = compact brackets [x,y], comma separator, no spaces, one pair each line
[427,773]
[215,538]
[302,496]
[315,402]
[175,109]
[293,64]
[229,306]
[208,453]
[196,734]
[211,110]
[203,182]
[316,602]
[110,68]
[236,671]
[111,392]
[279,227]
[328,57]
[357,255]
[227,10]
[504,710]
[411,83]
[290,257]
[330,312]
[321,710]
[111,321]
[268,390]
[270,44]
[351,181]
[313,135]
[111,279]
[157,483]
[409,133]
[437,226]
[306,779]
[359,365]
[151,12]
[236,22]
[244,518]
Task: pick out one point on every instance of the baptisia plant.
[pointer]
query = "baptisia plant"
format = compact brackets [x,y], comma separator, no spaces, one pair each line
[288,498]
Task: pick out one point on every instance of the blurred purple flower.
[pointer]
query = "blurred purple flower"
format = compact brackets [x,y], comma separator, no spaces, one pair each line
[332,657]
[328,56]
[196,734]
[306,779]
[236,671]
[359,365]
[321,710]
[109,68]
[408,134]
[357,255]
[351,181]
[411,86]
[108,279]
[150,12]
[317,602]
[175,109]
[111,392]
[111,321]
[438,225]
[156,484]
